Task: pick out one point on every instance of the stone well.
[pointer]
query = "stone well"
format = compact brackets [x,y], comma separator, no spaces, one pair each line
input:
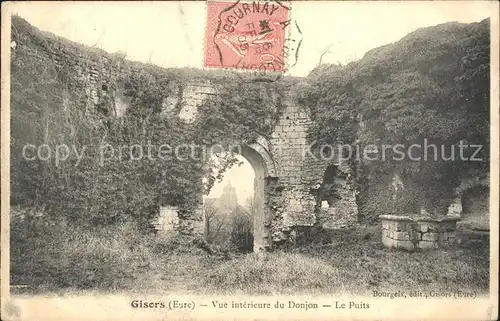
[409,233]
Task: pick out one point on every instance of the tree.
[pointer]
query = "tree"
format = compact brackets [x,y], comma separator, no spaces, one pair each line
[324,52]
[214,221]
[242,228]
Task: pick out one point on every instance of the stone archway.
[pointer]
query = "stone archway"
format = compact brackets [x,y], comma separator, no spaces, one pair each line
[257,154]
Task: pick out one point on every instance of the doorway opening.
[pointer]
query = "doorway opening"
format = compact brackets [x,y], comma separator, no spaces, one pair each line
[234,209]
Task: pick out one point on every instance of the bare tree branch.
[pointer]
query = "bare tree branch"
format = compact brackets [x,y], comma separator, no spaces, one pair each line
[325,51]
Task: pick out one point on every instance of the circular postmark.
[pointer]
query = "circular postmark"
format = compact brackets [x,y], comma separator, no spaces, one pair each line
[252,36]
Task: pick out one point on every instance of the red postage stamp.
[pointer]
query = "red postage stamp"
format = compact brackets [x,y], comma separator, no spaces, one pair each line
[246,35]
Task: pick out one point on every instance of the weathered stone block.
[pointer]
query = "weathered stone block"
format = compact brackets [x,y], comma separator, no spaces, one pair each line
[428,245]
[388,242]
[168,218]
[402,236]
[406,245]
[430,236]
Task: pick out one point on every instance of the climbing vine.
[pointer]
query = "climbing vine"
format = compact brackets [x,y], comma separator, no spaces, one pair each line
[402,94]
[118,178]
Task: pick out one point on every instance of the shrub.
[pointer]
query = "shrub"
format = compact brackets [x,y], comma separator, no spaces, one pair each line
[401,94]
[241,230]
[49,254]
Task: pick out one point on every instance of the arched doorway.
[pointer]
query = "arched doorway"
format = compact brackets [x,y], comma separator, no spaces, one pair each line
[260,160]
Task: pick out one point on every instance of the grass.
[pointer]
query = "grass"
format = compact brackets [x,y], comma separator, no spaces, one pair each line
[355,262]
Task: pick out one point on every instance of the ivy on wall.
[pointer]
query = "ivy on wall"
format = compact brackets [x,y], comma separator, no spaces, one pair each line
[432,86]
[117,179]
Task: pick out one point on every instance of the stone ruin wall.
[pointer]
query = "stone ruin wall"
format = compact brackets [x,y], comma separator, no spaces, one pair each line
[456,208]
[290,198]
[425,232]
[298,174]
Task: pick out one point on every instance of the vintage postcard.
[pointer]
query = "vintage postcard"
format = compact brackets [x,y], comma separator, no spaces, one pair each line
[249,160]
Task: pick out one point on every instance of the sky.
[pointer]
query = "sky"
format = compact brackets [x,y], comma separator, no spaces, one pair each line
[172,34]
[241,176]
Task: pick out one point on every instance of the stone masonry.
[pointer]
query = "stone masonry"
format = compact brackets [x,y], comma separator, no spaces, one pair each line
[289,177]
[455,208]
[407,233]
